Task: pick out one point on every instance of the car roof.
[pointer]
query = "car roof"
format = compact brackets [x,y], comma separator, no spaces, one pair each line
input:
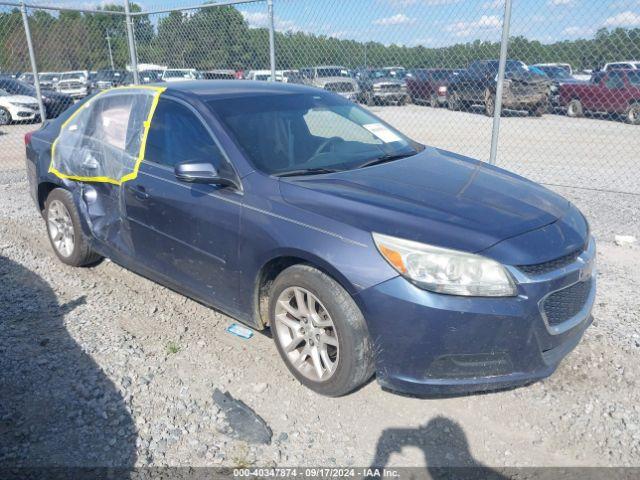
[212,89]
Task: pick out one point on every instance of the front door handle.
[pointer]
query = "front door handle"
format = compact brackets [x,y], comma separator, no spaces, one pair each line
[139,191]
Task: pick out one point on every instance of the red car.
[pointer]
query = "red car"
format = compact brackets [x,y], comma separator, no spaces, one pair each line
[429,85]
[615,92]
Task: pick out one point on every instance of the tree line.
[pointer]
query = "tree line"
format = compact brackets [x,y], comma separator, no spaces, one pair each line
[220,37]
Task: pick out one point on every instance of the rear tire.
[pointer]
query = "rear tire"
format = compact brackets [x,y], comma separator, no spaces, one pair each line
[5,116]
[632,114]
[65,233]
[454,102]
[489,104]
[575,109]
[326,311]
[433,101]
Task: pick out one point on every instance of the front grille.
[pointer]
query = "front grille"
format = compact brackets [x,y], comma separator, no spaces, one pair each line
[550,266]
[339,87]
[565,304]
[389,88]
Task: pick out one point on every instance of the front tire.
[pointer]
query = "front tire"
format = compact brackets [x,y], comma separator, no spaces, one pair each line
[69,243]
[574,109]
[319,331]
[5,116]
[490,104]
[632,115]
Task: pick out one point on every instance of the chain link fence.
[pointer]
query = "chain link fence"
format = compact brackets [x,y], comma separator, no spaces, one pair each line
[558,103]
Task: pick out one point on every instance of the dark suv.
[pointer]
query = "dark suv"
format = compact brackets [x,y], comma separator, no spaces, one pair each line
[523,88]
[430,85]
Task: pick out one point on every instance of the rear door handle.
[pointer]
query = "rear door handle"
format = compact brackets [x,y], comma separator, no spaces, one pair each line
[139,191]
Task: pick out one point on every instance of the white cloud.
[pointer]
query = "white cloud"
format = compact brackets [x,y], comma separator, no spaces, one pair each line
[624,19]
[261,20]
[557,3]
[484,23]
[576,31]
[397,19]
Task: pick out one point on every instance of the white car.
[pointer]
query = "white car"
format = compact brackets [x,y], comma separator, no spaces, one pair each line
[75,83]
[17,108]
[179,74]
[626,65]
[263,75]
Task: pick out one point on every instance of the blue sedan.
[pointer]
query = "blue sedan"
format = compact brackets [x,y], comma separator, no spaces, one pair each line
[292,209]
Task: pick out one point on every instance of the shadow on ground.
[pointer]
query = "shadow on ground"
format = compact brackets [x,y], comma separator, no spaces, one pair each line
[57,407]
[444,446]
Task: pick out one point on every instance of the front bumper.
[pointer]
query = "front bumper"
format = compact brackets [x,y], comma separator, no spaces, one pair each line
[24,114]
[519,101]
[75,92]
[432,344]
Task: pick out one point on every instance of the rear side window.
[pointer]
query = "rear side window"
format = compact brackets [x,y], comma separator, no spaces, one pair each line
[102,140]
[615,80]
[177,135]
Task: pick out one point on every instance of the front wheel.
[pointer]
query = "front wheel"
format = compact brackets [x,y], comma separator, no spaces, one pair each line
[574,108]
[65,233]
[319,331]
[632,115]
[454,102]
[5,116]
[490,105]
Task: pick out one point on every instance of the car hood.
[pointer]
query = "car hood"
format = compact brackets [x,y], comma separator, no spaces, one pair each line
[20,99]
[321,82]
[435,197]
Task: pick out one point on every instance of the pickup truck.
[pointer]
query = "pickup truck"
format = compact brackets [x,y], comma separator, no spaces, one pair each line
[429,85]
[524,89]
[616,92]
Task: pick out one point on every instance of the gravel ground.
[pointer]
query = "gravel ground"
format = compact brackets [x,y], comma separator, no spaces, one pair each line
[103,367]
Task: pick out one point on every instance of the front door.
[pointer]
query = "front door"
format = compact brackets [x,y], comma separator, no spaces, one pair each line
[185,233]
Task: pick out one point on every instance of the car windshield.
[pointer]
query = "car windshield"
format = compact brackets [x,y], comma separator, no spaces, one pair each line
[332,72]
[177,74]
[47,77]
[107,75]
[634,78]
[16,87]
[555,72]
[72,76]
[309,131]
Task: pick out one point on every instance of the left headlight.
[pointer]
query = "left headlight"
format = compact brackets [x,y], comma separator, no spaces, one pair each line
[446,271]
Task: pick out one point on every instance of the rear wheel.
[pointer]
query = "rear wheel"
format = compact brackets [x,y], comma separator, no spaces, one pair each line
[5,116]
[319,331]
[574,108]
[65,233]
[490,104]
[632,115]
[454,102]
[433,101]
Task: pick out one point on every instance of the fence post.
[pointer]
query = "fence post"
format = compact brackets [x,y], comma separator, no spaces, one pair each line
[272,41]
[506,23]
[132,43]
[32,58]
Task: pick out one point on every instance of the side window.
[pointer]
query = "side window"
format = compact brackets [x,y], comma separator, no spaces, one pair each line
[614,80]
[177,135]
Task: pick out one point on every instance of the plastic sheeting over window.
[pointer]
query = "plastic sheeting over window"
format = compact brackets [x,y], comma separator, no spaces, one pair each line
[104,141]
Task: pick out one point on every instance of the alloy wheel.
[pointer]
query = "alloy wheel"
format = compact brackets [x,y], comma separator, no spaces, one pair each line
[5,117]
[61,228]
[633,115]
[307,334]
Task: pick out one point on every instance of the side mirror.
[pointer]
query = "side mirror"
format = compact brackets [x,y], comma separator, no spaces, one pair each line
[202,172]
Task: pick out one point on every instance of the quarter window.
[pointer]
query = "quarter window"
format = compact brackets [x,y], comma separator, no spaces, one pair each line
[177,135]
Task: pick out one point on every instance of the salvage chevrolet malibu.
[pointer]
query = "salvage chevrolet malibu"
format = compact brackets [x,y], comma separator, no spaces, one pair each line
[292,209]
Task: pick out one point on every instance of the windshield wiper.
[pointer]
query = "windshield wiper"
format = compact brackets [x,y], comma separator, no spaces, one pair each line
[385,158]
[306,171]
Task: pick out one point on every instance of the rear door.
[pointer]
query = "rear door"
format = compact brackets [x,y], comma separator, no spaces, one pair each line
[612,96]
[186,233]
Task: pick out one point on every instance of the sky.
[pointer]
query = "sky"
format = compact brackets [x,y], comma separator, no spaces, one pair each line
[431,23]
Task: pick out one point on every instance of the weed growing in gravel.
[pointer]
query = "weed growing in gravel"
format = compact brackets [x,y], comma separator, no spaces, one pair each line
[172,348]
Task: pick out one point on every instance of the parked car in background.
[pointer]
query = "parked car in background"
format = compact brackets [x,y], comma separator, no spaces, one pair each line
[291,76]
[430,85]
[49,80]
[27,77]
[75,83]
[262,75]
[220,74]
[614,92]
[558,76]
[627,65]
[179,74]
[290,208]
[17,108]
[334,78]
[377,87]
[523,89]
[564,66]
[54,102]
[105,79]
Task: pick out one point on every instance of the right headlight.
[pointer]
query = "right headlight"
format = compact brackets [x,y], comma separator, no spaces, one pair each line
[442,270]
